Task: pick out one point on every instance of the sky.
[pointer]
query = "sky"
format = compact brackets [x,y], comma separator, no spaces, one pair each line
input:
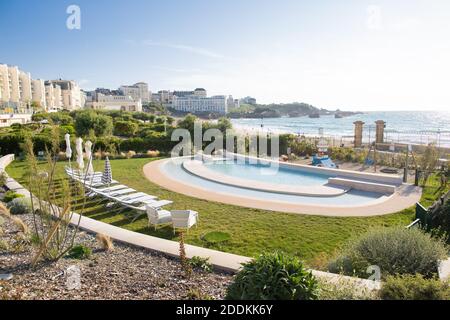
[353,54]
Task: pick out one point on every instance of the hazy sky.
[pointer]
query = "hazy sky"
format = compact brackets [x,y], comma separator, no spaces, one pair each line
[353,54]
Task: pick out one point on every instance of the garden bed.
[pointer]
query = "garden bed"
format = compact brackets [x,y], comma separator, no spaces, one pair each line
[124,273]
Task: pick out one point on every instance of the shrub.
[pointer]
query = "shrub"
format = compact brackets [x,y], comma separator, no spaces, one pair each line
[273,276]
[414,287]
[153,153]
[394,250]
[196,294]
[201,263]
[80,252]
[130,154]
[344,290]
[19,206]
[10,195]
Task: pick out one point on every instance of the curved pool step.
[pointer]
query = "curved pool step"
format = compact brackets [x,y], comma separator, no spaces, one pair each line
[197,168]
[368,186]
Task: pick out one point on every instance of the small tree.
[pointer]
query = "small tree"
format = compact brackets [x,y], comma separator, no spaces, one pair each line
[89,119]
[125,128]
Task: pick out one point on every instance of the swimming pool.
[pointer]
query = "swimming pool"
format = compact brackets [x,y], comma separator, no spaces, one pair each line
[292,188]
[261,173]
[266,173]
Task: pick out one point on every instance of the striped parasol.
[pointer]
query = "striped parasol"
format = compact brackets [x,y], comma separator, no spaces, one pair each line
[107,173]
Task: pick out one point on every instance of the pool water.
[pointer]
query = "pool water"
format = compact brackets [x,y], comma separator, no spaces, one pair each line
[266,173]
[175,171]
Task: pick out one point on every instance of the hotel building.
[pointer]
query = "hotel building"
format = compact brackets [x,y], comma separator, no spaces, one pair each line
[99,101]
[137,91]
[200,104]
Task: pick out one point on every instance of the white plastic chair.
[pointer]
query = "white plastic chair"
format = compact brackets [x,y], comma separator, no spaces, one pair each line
[157,216]
[183,219]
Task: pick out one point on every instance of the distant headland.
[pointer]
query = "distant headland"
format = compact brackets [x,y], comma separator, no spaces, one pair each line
[292,110]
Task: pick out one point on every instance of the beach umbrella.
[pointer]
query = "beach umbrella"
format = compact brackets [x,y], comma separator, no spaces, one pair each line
[107,172]
[88,149]
[79,148]
[68,148]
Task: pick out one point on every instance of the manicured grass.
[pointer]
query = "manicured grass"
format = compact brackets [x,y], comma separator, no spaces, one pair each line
[216,237]
[252,231]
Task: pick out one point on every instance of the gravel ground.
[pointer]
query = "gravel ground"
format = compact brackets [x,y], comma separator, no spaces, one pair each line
[124,273]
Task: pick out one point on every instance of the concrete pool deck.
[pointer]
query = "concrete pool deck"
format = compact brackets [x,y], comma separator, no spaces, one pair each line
[404,197]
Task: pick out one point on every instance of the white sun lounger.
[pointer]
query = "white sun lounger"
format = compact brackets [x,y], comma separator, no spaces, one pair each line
[112,188]
[135,197]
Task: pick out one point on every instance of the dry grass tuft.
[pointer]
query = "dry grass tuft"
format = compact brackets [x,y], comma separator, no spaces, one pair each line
[20,225]
[105,242]
[4,211]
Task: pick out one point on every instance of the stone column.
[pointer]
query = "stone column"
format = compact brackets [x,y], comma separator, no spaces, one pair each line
[358,133]
[379,138]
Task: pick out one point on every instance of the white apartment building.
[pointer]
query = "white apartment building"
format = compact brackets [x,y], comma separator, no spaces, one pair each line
[38,93]
[71,96]
[198,103]
[137,91]
[100,101]
[18,90]
[15,87]
[53,97]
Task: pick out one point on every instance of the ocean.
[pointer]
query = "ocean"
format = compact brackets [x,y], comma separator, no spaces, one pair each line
[417,127]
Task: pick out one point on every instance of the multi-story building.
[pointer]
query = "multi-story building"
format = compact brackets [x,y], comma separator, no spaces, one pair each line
[53,96]
[18,90]
[100,101]
[70,94]
[137,91]
[232,103]
[200,92]
[25,87]
[197,92]
[199,104]
[108,92]
[8,119]
[38,93]
[15,88]
[249,100]
[165,96]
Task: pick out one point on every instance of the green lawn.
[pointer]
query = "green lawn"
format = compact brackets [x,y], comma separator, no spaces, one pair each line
[252,231]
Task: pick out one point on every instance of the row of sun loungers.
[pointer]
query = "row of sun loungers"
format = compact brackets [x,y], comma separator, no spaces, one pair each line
[128,197]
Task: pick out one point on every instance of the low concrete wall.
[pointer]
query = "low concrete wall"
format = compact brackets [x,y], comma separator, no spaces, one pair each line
[5,161]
